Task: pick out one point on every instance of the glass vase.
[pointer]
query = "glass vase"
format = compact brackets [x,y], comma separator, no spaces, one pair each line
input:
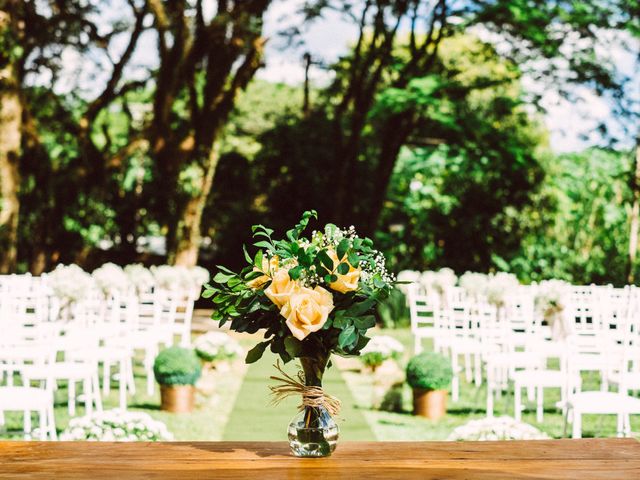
[313,432]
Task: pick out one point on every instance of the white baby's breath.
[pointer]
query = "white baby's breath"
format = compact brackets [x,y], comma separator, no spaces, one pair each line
[116,425]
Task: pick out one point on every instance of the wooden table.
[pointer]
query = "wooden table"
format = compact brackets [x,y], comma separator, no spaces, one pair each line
[557,459]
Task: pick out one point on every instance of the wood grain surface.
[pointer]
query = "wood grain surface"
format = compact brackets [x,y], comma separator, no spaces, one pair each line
[554,459]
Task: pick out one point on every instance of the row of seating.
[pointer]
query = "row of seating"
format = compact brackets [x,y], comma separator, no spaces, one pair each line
[44,341]
[516,346]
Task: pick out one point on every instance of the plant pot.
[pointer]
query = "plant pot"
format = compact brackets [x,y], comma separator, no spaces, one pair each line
[431,404]
[177,398]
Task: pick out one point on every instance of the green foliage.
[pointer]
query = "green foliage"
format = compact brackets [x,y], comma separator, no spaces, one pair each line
[177,366]
[577,228]
[313,264]
[429,371]
[393,312]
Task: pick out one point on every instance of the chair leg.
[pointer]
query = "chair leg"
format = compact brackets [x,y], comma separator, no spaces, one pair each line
[27,424]
[417,344]
[467,368]
[71,402]
[149,357]
[620,427]
[95,391]
[517,401]
[489,399]
[42,418]
[540,404]
[477,369]
[455,388]
[131,382]
[88,395]
[122,385]
[577,424]
[51,423]
[106,378]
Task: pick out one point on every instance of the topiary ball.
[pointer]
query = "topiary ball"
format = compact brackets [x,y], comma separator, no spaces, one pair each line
[429,371]
[177,366]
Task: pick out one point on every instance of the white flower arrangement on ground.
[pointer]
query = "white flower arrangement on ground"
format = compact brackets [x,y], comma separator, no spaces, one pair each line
[116,426]
[379,349]
[111,278]
[70,283]
[217,346]
[496,428]
[140,277]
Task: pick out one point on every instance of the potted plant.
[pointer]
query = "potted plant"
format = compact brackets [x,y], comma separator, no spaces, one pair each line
[429,374]
[177,370]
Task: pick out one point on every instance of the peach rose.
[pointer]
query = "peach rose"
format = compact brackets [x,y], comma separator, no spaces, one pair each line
[268,267]
[281,287]
[307,310]
[347,282]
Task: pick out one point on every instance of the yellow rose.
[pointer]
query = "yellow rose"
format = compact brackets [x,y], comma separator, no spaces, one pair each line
[307,310]
[268,267]
[347,282]
[281,287]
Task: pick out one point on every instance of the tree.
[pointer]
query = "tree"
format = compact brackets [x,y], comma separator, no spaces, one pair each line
[530,29]
[203,66]
[10,133]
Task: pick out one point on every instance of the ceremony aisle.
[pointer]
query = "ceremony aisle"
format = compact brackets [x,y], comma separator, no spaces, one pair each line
[253,419]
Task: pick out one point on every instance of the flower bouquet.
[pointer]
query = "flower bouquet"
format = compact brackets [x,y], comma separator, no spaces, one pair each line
[312,297]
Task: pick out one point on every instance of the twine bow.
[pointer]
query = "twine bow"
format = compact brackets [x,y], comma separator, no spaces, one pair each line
[312,396]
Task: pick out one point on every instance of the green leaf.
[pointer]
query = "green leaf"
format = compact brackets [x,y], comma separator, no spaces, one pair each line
[264,244]
[330,278]
[208,293]
[353,259]
[347,336]
[247,257]
[294,273]
[257,261]
[293,346]
[256,352]
[364,323]
[325,259]
[222,277]
[343,268]
[357,309]
[343,246]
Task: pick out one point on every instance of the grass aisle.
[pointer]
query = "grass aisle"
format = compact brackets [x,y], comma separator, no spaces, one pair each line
[254,419]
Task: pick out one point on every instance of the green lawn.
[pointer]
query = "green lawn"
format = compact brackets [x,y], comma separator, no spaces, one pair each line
[253,418]
[235,405]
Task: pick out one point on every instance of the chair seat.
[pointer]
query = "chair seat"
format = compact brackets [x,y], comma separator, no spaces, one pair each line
[541,378]
[464,345]
[102,354]
[24,398]
[59,370]
[604,403]
[631,379]
[513,360]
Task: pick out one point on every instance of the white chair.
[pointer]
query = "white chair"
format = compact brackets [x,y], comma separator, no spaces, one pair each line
[424,320]
[27,400]
[605,402]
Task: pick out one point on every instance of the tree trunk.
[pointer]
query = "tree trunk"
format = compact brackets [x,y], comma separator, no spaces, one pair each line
[635,216]
[188,235]
[10,139]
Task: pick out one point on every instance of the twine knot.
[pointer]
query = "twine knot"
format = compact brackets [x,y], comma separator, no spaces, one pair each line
[312,395]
